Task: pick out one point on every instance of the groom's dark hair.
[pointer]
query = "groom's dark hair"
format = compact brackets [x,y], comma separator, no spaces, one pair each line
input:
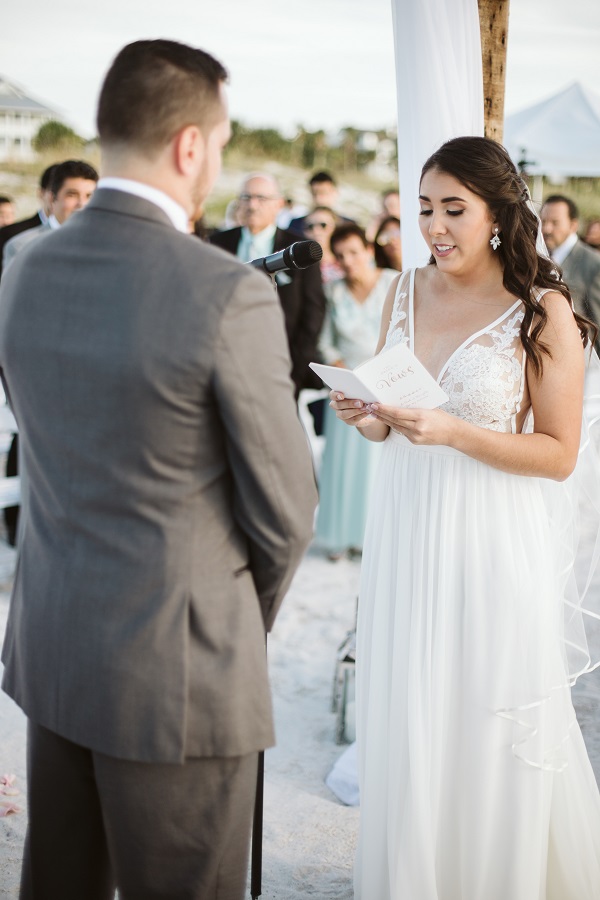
[154,89]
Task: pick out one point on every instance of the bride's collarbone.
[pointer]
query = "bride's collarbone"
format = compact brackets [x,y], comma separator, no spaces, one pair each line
[469,303]
[436,315]
[440,330]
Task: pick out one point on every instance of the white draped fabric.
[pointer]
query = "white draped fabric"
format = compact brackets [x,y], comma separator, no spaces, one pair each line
[440,94]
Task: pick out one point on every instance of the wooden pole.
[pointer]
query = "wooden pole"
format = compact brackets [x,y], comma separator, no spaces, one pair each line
[493,23]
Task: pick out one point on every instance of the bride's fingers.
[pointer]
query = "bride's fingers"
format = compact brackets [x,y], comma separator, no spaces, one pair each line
[393,414]
[352,416]
[343,403]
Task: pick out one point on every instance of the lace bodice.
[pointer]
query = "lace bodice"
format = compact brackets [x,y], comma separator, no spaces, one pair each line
[484,377]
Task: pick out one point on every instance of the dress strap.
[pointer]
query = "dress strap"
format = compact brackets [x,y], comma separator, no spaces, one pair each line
[398,313]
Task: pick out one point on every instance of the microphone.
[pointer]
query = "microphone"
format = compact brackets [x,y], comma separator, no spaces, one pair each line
[300,255]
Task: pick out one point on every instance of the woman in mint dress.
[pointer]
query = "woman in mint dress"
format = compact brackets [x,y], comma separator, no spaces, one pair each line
[349,337]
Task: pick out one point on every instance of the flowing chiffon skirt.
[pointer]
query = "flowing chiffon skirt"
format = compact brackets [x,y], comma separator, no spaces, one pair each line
[474,779]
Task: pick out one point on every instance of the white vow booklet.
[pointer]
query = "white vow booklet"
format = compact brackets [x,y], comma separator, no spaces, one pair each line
[394,377]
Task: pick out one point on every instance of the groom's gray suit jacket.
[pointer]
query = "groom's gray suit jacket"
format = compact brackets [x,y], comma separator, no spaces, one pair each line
[170,489]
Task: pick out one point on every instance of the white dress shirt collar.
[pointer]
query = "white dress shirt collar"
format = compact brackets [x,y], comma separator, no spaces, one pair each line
[53,222]
[173,210]
[560,253]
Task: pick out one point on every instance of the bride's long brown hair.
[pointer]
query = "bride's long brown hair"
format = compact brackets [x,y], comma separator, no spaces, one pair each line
[485,168]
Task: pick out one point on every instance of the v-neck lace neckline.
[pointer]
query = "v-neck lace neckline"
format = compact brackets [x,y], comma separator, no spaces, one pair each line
[465,343]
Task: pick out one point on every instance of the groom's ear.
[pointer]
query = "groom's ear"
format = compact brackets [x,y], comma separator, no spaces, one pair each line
[189,148]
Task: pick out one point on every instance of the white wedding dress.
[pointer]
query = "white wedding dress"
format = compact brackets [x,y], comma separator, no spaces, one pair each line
[474,779]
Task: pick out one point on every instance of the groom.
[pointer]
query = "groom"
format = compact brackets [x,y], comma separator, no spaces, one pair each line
[169,499]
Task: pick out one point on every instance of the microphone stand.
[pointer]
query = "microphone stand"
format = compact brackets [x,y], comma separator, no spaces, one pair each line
[259,799]
[257,829]
[257,822]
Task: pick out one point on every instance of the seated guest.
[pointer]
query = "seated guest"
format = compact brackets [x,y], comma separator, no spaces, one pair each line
[300,291]
[349,337]
[388,244]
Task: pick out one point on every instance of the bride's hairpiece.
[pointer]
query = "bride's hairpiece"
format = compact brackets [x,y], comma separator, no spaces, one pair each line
[540,243]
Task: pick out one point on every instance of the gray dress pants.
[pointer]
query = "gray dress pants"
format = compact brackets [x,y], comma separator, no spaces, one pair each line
[96,823]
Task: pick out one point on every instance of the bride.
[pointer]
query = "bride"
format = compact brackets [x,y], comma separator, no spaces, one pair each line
[474,779]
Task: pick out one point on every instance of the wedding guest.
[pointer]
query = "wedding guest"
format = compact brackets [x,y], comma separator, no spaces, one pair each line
[390,206]
[352,320]
[11,513]
[388,244]
[319,225]
[71,186]
[324,192]
[39,218]
[300,291]
[7,210]
[592,234]
[580,264]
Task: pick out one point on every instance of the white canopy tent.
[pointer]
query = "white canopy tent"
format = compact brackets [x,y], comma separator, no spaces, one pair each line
[559,136]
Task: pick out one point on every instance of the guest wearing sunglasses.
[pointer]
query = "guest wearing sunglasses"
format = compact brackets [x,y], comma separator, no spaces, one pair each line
[319,225]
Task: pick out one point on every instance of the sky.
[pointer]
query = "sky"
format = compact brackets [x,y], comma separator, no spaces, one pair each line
[319,63]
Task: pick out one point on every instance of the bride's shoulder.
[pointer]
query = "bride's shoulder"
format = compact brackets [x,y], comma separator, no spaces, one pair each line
[424,274]
[424,280]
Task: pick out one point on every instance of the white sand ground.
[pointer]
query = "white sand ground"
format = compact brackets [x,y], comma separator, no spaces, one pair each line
[309,837]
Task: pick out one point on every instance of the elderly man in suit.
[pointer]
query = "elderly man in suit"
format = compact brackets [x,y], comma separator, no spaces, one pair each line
[300,291]
[170,496]
[580,264]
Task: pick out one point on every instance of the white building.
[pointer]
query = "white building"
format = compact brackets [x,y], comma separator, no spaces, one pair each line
[20,120]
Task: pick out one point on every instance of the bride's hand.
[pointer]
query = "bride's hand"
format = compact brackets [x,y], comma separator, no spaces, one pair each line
[352,412]
[421,426]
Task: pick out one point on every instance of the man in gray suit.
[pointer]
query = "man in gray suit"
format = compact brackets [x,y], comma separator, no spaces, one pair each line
[580,264]
[170,498]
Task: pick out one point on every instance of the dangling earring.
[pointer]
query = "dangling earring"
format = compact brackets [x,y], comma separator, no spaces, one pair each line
[495,241]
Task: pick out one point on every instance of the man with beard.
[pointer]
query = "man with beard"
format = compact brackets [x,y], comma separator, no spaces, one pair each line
[169,499]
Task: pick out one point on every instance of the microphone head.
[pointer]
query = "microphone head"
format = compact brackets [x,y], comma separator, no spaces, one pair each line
[305,253]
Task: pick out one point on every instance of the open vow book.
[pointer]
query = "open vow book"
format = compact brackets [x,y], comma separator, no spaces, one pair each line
[394,377]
